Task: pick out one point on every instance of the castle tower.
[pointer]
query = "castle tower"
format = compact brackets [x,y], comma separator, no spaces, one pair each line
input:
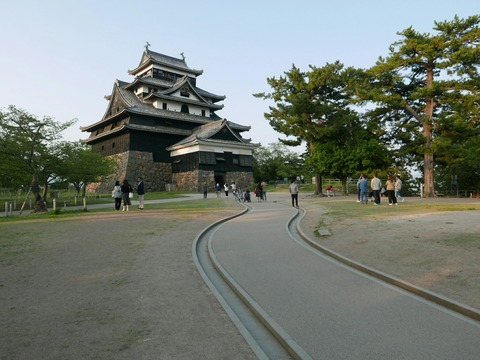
[164,128]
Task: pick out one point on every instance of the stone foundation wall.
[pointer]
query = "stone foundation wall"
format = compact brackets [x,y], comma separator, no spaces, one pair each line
[193,181]
[131,165]
[241,179]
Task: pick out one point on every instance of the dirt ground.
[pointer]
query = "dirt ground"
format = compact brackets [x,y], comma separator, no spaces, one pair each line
[124,286]
[111,286]
[436,251]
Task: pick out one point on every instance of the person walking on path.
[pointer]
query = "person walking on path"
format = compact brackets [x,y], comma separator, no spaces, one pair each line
[376,185]
[363,186]
[205,190]
[126,190]
[294,193]
[391,191]
[225,188]
[398,187]
[117,194]
[264,190]
[141,193]
[218,190]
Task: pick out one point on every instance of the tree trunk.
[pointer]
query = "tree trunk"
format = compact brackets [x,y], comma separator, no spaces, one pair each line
[39,204]
[318,177]
[344,186]
[318,185]
[428,174]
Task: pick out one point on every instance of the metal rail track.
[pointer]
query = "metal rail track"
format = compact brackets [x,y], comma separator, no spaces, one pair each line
[266,338]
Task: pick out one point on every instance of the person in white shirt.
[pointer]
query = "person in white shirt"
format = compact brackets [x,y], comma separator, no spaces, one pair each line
[376,185]
[294,193]
[398,187]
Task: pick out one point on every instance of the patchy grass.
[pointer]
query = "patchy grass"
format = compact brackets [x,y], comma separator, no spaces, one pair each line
[467,241]
[199,206]
[351,209]
[14,243]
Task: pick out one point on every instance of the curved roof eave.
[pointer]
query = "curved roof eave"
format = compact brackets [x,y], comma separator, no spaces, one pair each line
[151,57]
[223,143]
[104,134]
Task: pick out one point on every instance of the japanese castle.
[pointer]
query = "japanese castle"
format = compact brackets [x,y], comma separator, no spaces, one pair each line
[163,127]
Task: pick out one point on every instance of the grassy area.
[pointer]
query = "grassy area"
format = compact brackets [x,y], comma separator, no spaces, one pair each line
[198,206]
[351,209]
[71,200]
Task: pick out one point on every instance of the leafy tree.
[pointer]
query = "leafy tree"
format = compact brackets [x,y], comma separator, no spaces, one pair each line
[275,161]
[427,92]
[350,149]
[26,142]
[314,107]
[81,165]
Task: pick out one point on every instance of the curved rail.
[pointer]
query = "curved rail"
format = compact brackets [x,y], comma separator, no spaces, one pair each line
[264,336]
[267,339]
[294,229]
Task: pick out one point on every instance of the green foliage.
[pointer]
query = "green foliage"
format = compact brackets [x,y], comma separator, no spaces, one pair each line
[316,107]
[27,144]
[276,162]
[426,92]
[81,165]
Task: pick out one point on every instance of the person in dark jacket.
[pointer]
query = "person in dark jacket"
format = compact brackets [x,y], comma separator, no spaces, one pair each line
[141,193]
[126,190]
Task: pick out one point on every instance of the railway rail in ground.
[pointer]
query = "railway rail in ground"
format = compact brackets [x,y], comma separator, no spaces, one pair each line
[265,336]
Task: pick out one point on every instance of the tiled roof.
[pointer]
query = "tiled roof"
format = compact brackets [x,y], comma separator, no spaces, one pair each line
[150,81]
[202,134]
[134,105]
[161,59]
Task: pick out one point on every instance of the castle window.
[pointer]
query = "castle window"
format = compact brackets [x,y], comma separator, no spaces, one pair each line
[245,160]
[203,112]
[185,109]
[207,158]
[164,106]
[113,145]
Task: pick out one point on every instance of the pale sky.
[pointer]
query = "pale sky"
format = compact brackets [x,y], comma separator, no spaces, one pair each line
[59,58]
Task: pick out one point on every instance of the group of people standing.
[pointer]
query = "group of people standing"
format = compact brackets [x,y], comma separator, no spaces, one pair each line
[124,193]
[260,191]
[392,189]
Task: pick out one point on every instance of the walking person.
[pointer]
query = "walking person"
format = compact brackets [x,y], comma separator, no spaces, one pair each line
[225,188]
[218,189]
[126,190]
[264,190]
[205,190]
[398,187]
[117,194]
[294,193]
[391,191]
[376,185]
[141,193]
